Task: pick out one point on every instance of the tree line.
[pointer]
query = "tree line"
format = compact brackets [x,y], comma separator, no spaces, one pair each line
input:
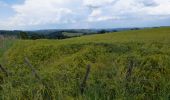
[47,34]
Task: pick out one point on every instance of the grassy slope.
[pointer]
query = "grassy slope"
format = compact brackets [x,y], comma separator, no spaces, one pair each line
[131,65]
[5,44]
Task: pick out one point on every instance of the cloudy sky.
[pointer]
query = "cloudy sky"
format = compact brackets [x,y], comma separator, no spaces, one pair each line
[50,14]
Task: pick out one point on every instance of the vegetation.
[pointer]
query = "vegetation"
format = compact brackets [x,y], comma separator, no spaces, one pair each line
[59,33]
[124,65]
[5,44]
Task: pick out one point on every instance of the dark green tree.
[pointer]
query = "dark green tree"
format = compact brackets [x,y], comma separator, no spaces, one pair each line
[23,35]
[102,32]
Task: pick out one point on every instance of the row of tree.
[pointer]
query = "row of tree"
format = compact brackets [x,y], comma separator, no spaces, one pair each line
[55,35]
[58,34]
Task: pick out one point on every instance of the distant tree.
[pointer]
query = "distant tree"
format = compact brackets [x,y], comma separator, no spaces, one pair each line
[114,31]
[85,33]
[155,27]
[135,28]
[35,36]
[23,35]
[57,35]
[102,32]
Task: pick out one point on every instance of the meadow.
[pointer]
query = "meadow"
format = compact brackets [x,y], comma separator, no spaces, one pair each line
[128,65]
[5,44]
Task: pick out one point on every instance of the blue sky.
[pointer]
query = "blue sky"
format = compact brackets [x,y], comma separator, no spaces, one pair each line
[66,14]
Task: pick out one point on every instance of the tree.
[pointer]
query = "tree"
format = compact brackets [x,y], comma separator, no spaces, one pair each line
[23,35]
[102,31]
[35,36]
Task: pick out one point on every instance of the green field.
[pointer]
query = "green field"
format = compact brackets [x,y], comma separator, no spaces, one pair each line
[5,44]
[130,65]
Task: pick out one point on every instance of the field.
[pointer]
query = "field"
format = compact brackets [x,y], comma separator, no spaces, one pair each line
[130,65]
[5,44]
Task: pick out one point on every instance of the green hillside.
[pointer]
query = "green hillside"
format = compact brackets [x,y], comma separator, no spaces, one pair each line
[5,44]
[126,65]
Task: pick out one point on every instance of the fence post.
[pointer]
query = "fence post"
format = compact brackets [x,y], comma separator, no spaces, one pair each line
[83,84]
[128,74]
[4,70]
[49,93]
[32,69]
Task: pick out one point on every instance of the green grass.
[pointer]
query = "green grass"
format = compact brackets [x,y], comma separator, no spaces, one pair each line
[5,44]
[124,65]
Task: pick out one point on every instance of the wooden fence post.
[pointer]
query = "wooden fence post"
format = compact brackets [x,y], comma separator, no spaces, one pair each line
[32,69]
[4,70]
[129,73]
[49,93]
[83,84]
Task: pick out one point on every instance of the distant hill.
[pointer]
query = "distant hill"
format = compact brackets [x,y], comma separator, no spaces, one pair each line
[59,33]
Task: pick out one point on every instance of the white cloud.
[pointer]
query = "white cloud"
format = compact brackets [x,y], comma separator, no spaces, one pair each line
[142,9]
[42,12]
[35,12]
[99,15]
[97,2]
[163,8]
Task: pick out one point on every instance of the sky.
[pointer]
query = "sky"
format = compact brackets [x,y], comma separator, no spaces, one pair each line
[82,14]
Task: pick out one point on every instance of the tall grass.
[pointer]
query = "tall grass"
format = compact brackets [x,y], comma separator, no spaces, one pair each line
[5,44]
[125,65]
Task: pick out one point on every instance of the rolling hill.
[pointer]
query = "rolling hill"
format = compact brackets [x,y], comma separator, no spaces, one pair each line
[131,65]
